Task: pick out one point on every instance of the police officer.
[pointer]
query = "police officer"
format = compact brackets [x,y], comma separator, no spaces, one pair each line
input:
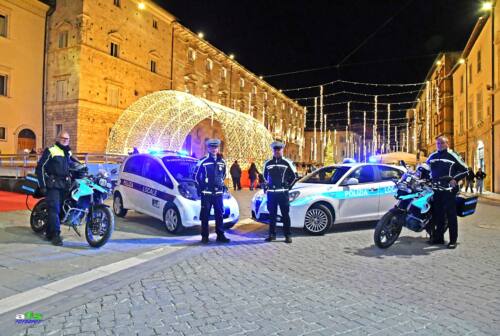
[52,172]
[210,175]
[279,173]
[445,163]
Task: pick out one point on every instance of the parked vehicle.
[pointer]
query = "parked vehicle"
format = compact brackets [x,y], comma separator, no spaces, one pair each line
[413,209]
[83,204]
[350,192]
[161,184]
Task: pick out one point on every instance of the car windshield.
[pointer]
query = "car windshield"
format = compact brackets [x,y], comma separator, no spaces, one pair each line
[182,169]
[327,175]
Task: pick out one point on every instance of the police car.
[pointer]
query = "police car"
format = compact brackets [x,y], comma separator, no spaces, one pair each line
[353,192]
[161,184]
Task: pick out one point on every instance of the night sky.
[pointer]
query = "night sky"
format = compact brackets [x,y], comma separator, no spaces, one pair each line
[271,37]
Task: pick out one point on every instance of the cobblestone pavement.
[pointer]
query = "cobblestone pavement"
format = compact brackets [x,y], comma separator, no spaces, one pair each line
[335,284]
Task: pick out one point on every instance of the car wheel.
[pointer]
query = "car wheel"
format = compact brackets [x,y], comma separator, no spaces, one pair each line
[172,219]
[318,220]
[118,208]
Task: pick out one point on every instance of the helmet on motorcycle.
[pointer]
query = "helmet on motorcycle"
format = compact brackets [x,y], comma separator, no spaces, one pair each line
[78,170]
[424,171]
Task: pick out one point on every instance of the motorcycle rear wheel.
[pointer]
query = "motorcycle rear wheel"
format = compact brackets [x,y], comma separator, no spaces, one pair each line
[39,218]
[99,228]
[388,229]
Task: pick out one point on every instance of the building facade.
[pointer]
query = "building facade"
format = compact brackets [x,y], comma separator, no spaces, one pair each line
[104,55]
[473,100]
[22,33]
[432,114]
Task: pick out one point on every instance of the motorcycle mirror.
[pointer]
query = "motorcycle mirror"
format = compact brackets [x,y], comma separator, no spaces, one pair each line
[403,163]
[114,171]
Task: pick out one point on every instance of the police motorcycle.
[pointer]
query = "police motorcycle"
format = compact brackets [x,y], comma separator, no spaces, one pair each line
[413,209]
[84,203]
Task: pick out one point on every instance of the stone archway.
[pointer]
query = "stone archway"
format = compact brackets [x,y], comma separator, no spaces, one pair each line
[26,140]
[165,119]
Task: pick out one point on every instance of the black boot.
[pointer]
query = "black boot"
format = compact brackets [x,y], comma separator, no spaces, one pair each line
[222,239]
[288,239]
[204,240]
[270,238]
[57,241]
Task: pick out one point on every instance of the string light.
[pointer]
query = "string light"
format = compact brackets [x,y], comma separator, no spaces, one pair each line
[355,83]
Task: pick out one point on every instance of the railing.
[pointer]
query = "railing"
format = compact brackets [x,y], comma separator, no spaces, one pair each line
[19,165]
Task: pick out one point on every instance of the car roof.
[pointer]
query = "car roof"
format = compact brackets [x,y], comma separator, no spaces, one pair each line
[162,156]
[359,164]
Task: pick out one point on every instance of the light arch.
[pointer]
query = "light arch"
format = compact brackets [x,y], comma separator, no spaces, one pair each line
[164,119]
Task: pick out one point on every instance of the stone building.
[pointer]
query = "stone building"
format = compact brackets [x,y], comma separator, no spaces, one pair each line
[22,27]
[432,114]
[103,55]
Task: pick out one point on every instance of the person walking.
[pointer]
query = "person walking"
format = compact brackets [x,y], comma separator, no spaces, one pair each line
[52,171]
[210,175]
[469,180]
[235,172]
[253,174]
[480,176]
[279,173]
[447,169]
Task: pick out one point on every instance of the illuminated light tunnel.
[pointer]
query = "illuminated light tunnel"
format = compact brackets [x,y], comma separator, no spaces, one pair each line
[164,119]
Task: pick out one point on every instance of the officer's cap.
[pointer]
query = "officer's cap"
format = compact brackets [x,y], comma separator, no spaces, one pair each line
[213,142]
[277,145]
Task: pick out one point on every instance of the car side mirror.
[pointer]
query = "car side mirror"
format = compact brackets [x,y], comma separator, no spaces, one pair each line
[351,181]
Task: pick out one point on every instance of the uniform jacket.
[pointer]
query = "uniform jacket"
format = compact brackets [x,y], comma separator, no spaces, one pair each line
[279,174]
[52,169]
[480,175]
[210,174]
[447,163]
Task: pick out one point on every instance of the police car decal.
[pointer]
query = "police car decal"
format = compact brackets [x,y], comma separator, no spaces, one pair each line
[147,190]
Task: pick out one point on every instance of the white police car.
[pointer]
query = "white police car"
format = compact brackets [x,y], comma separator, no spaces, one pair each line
[160,184]
[353,192]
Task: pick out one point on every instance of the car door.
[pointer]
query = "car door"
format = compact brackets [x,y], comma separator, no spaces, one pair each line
[157,187]
[131,191]
[387,176]
[360,202]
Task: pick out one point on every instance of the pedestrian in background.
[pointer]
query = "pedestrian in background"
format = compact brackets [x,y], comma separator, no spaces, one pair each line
[235,172]
[480,176]
[469,180]
[253,173]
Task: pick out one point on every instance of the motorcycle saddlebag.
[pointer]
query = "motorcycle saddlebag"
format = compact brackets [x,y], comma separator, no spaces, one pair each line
[29,186]
[466,205]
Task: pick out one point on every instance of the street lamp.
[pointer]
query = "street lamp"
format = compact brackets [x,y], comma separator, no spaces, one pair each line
[141,5]
[487,6]
[201,35]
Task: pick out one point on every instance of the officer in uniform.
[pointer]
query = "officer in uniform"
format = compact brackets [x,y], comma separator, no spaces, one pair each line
[210,175]
[445,163]
[279,173]
[52,172]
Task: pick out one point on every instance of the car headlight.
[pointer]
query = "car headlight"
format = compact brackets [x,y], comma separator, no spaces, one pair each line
[189,193]
[292,196]
[258,196]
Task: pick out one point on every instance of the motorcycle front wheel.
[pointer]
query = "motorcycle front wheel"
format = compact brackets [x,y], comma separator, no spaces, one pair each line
[388,229]
[100,226]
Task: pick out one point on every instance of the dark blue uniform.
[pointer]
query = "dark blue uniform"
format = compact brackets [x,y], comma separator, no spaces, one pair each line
[53,175]
[279,175]
[210,175]
[445,163]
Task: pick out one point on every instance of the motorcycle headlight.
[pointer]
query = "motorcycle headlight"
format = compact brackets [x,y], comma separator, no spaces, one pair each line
[292,196]
[103,182]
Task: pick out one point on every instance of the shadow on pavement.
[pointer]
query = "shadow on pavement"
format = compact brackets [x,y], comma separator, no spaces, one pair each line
[405,247]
